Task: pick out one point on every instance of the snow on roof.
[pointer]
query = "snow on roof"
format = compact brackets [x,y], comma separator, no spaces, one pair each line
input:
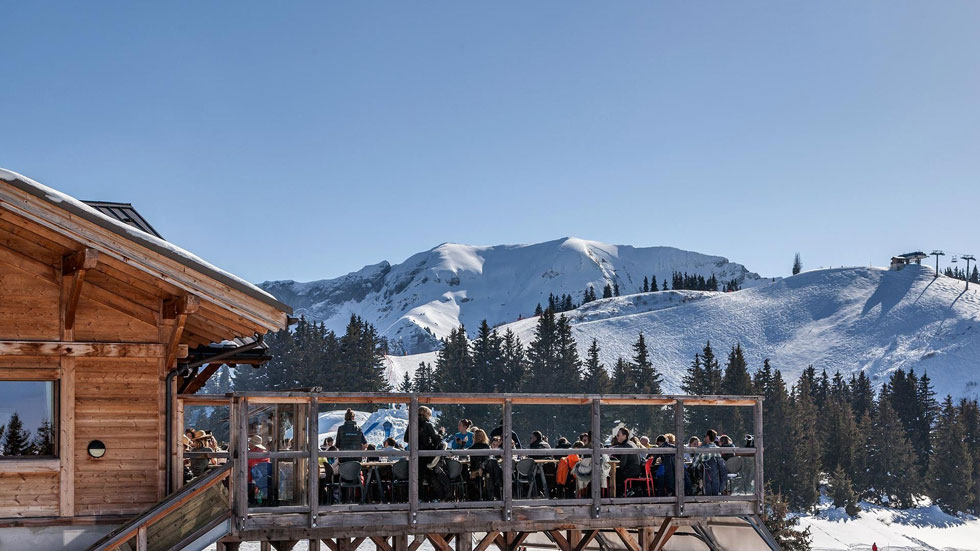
[152,242]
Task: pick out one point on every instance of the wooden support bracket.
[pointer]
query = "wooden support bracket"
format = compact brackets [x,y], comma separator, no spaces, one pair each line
[75,265]
[178,309]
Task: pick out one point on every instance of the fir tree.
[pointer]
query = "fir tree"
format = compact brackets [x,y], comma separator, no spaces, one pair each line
[514,361]
[616,288]
[838,435]
[783,526]
[969,413]
[16,439]
[665,285]
[653,284]
[406,384]
[488,372]
[538,310]
[805,453]
[737,382]
[595,379]
[607,291]
[842,491]
[424,380]
[890,460]
[950,477]
[454,363]
[621,377]
[693,381]
[646,284]
[43,441]
[797,264]
[862,395]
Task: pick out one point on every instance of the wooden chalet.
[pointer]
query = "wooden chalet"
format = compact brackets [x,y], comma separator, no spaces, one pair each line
[101,320]
[106,333]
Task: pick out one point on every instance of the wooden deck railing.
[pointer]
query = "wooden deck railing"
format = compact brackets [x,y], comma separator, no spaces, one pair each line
[309,514]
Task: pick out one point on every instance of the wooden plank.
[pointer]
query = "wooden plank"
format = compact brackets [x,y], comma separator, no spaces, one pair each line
[313,463]
[679,458]
[508,466]
[661,536]
[627,539]
[66,430]
[381,543]
[560,540]
[30,466]
[413,461]
[587,538]
[45,272]
[178,309]
[596,443]
[760,497]
[464,541]
[81,349]
[487,540]
[438,542]
[141,538]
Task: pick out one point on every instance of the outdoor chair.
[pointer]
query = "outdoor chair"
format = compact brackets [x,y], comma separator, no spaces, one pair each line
[529,479]
[350,479]
[399,480]
[457,486]
[327,485]
[646,480]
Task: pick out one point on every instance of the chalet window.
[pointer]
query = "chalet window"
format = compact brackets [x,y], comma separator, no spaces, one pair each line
[28,424]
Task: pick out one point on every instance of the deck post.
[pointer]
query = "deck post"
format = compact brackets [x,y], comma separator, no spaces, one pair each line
[313,444]
[413,460]
[464,542]
[508,443]
[596,443]
[679,458]
[759,484]
[399,543]
[241,455]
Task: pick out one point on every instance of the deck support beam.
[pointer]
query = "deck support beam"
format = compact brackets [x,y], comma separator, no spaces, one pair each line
[75,265]
[178,309]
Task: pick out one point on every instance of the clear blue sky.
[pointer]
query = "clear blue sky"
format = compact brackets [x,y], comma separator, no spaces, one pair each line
[332,135]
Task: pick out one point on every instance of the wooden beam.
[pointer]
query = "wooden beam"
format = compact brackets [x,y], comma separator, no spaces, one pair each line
[559,540]
[487,540]
[178,309]
[87,349]
[66,435]
[141,538]
[200,379]
[666,536]
[331,544]
[587,538]
[417,541]
[75,266]
[381,543]
[439,542]
[627,539]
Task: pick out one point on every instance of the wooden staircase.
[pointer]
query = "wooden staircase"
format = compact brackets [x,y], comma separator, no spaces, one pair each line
[190,519]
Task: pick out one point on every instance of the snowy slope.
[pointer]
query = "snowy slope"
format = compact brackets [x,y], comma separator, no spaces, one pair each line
[845,319]
[420,300]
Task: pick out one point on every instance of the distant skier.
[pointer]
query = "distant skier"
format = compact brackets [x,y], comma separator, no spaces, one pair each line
[874,546]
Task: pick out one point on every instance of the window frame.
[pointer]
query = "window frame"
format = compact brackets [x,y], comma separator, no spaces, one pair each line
[55,420]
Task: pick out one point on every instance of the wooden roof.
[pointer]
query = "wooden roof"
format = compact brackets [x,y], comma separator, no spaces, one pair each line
[137,273]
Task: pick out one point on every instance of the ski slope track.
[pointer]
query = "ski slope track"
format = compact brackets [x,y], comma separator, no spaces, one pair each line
[846,319]
[418,302]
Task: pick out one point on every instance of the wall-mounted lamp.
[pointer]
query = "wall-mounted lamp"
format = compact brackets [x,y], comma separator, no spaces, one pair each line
[96,449]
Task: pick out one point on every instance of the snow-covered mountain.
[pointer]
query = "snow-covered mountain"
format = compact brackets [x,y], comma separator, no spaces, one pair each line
[846,319]
[419,301]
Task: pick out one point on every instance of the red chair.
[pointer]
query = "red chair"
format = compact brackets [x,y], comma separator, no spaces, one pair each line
[648,479]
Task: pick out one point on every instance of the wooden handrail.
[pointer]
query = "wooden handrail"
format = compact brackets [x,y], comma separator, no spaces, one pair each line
[164,507]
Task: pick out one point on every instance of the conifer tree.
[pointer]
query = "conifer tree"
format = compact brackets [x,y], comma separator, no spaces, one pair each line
[842,490]
[783,526]
[616,288]
[737,382]
[595,379]
[890,460]
[862,395]
[644,376]
[969,413]
[607,291]
[653,284]
[43,441]
[454,363]
[646,284]
[693,381]
[838,435]
[487,369]
[424,380]
[538,310]
[621,375]
[514,361]
[804,460]
[406,384]
[665,285]
[16,439]
[950,477]
[797,264]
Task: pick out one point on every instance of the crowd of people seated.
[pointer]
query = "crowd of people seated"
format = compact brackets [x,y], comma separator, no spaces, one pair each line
[564,475]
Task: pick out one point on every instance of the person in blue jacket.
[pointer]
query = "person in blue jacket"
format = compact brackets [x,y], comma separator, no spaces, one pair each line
[463,439]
